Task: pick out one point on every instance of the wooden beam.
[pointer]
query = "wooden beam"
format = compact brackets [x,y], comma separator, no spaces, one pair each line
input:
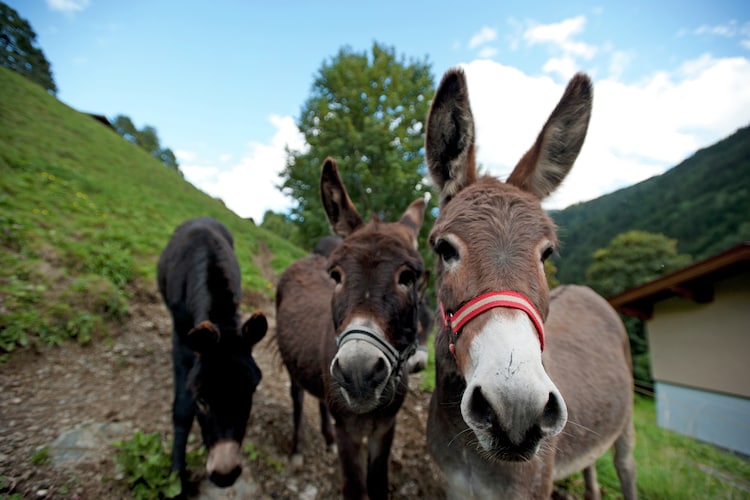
[702,293]
[640,311]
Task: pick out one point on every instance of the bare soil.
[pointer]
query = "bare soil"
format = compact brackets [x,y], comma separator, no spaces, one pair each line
[61,408]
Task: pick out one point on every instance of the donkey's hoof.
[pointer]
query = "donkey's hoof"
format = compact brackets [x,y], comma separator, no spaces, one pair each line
[332,448]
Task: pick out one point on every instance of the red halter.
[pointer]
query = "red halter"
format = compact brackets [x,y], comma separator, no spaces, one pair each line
[476,306]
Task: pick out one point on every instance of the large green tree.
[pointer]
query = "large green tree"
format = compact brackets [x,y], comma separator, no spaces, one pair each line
[631,259]
[20,51]
[366,110]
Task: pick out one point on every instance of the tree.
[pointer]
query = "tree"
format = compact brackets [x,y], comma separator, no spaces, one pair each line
[631,259]
[167,157]
[367,112]
[124,126]
[279,225]
[550,270]
[147,138]
[19,50]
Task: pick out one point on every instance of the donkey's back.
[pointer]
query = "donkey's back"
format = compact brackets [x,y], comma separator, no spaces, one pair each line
[303,320]
[588,357]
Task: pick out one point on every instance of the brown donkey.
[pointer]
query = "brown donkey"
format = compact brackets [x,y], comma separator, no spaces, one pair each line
[531,386]
[346,326]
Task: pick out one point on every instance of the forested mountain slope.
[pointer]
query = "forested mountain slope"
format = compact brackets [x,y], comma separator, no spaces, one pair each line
[703,203]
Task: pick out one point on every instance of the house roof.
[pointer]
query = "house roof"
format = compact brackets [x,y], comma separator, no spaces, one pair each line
[101,118]
[695,282]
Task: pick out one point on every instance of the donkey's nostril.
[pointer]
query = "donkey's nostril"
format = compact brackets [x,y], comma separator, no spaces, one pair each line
[336,372]
[379,371]
[480,409]
[225,480]
[553,416]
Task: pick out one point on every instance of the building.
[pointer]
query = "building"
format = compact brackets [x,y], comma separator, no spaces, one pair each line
[698,323]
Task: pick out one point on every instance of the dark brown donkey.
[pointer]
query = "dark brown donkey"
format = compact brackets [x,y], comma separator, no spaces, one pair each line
[418,361]
[531,386]
[346,325]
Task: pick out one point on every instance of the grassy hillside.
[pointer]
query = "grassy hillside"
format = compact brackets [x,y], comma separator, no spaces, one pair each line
[703,203]
[84,215]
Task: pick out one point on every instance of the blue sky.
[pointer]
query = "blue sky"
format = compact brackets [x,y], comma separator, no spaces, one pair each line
[223,82]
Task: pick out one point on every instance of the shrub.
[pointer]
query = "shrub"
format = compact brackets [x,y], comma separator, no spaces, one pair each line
[146,466]
[145,463]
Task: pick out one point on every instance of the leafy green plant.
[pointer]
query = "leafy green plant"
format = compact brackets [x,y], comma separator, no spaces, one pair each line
[144,462]
[427,375]
[112,261]
[40,456]
[257,455]
[19,314]
[98,295]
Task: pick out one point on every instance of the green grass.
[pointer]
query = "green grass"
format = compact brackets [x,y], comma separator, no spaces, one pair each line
[672,466]
[84,215]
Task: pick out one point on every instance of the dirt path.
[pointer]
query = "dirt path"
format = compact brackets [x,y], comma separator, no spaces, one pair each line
[71,402]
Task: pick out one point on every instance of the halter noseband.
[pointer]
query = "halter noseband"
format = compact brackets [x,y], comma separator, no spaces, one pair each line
[395,356]
[476,306]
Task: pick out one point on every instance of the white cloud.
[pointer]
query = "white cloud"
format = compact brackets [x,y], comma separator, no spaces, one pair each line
[558,37]
[183,155]
[249,186]
[728,30]
[636,130]
[557,33]
[484,35]
[564,66]
[67,6]
[487,52]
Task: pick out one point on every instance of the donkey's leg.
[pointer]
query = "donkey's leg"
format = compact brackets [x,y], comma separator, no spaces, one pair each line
[624,461]
[592,486]
[183,408]
[353,459]
[298,396]
[325,426]
[379,452]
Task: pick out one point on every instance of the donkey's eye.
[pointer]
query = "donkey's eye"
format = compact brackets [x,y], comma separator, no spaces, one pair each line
[446,251]
[547,252]
[407,278]
[335,275]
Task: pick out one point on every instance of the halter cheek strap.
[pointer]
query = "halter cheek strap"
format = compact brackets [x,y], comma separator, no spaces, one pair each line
[476,306]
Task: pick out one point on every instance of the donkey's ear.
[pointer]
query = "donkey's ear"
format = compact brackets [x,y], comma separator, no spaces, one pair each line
[449,140]
[203,337]
[255,328]
[342,213]
[544,166]
[414,216]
